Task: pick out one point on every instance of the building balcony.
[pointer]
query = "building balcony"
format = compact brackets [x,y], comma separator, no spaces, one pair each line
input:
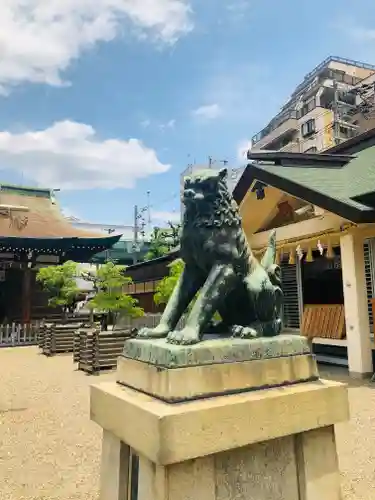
[291,147]
[288,126]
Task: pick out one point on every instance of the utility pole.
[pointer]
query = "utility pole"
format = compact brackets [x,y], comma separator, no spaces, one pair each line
[138,229]
[210,162]
[135,235]
[109,231]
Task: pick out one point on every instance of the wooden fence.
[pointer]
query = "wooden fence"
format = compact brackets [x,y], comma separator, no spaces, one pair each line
[16,334]
[96,351]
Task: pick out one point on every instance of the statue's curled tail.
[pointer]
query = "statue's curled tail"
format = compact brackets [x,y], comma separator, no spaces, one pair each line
[268,261]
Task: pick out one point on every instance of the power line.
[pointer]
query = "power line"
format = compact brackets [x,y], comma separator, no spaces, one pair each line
[139,222]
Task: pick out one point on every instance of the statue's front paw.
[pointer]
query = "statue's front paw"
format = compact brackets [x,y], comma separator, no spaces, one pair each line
[158,332]
[249,333]
[244,332]
[186,336]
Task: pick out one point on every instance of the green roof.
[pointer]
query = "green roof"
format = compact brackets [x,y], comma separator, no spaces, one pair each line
[341,183]
[327,184]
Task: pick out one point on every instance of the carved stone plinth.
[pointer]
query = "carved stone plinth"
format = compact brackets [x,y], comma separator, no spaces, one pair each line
[259,424]
[215,367]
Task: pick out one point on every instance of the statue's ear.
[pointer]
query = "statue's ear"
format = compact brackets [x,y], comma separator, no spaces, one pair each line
[223,173]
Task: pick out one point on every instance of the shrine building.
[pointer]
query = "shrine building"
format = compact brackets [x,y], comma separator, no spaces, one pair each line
[323,209]
[34,233]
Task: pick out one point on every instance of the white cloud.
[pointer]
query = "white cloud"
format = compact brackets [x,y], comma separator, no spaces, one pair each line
[69,155]
[242,149]
[145,123]
[168,125]
[362,34]
[238,8]
[208,112]
[166,216]
[40,38]
[350,28]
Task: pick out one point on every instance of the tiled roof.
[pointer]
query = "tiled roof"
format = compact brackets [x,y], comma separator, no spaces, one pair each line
[43,218]
[319,179]
[343,183]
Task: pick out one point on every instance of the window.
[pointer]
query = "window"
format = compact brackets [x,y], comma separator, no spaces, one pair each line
[346,132]
[306,108]
[313,149]
[308,128]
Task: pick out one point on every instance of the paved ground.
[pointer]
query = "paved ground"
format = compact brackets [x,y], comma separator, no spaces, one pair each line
[49,449]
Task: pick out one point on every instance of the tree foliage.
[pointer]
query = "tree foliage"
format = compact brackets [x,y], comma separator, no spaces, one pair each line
[166,286]
[108,283]
[163,241]
[60,282]
[173,234]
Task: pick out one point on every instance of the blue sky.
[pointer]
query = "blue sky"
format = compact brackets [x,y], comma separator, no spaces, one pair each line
[107,100]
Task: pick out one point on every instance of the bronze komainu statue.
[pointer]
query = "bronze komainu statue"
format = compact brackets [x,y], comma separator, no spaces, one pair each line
[220,266]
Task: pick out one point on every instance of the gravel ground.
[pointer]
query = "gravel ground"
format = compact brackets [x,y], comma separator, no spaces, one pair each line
[49,449]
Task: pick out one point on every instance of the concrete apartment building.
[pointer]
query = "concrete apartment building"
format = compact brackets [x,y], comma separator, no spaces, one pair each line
[362,116]
[313,119]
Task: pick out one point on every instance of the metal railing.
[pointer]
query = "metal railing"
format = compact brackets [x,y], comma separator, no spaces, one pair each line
[274,123]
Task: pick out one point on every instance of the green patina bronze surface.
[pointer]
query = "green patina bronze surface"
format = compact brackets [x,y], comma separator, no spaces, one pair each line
[220,266]
[162,353]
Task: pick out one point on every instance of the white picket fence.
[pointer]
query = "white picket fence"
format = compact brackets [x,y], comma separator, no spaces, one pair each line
[16,334]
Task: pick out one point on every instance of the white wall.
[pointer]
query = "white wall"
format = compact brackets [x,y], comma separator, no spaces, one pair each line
[81,283]
[126,231]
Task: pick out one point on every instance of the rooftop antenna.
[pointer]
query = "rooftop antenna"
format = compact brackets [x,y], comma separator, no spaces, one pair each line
[224,162]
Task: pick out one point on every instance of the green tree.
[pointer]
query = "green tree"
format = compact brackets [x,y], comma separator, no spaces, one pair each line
[110,299]
[159,244]
[166,286]
[173,234]
[60,282]
[163,241]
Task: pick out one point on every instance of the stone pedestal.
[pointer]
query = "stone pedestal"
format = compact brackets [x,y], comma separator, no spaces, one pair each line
[217,421]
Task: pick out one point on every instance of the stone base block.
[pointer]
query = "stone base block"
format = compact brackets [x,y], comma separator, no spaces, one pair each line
[273,444]
[188,383]
[292,468]
[214,367]
[159,352]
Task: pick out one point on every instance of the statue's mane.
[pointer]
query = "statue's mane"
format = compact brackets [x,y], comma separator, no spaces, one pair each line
[223,211]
